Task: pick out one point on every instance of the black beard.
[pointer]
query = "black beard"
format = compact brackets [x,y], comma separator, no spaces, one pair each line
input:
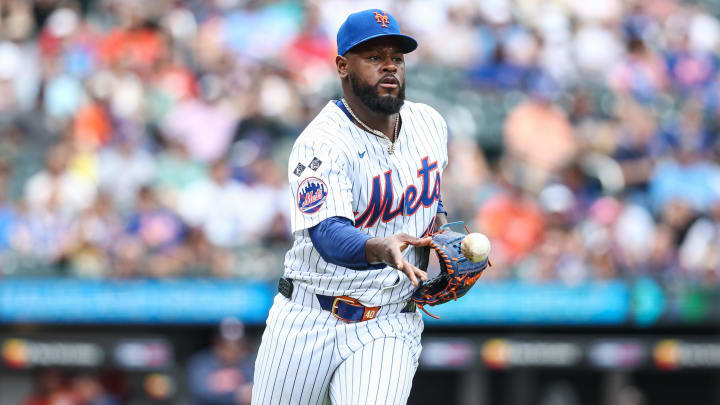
[369,96]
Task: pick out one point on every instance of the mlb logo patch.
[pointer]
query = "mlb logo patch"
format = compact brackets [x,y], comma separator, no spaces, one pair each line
[298,169]
[315,163]
[311,195]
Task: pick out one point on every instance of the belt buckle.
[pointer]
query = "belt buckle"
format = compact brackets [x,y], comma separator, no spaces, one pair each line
[336,302]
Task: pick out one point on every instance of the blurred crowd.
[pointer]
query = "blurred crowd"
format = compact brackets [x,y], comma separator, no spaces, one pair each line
[58,387]
[150,139]
[219,373]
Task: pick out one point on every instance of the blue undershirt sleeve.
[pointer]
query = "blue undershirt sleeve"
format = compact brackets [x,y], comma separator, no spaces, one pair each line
[441,209]
[340,243]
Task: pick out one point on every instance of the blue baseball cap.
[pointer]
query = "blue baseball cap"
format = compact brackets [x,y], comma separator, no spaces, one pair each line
[368,24]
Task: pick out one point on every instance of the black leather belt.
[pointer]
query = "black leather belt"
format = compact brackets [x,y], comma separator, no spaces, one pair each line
[343,307]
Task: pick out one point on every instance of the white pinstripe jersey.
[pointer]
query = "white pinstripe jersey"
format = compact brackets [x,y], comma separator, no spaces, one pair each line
[337,169]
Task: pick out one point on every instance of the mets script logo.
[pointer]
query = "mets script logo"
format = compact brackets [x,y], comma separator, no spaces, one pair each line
[382,205]
[311,195]
[382,19]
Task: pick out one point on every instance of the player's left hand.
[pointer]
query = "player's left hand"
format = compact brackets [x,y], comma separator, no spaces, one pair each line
[458,273]
[389,250]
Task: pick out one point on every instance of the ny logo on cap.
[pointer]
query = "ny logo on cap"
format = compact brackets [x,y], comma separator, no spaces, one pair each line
[382,19]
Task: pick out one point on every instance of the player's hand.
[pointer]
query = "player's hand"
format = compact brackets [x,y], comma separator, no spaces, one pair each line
[389,250]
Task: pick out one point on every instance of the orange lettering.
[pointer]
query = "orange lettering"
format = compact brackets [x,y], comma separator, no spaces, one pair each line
[382,19]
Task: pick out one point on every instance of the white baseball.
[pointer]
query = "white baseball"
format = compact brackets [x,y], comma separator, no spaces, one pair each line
[476,247]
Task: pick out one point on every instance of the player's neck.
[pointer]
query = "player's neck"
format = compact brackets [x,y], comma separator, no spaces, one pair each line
[382,122]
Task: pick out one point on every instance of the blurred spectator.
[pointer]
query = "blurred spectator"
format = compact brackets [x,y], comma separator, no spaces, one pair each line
[88,390]
[513,222]
[642,73]
[698,253]
[57,187]
[688,68]
[201,258]
[92,236]
[459,26]
[8,214]
[223,374]
[91,126]
[51,389]
[685,176]
[204,126]
[596,48]
[218,205]
[311,52]
[124,169]
[153,231]
[663,259]
[175,170]
[538,135]
[56,387]
[636,145]
[631,228]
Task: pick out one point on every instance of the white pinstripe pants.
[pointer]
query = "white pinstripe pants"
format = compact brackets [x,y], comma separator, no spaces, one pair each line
[308,357]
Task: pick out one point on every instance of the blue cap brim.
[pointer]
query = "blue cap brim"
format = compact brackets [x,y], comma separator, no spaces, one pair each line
[407,43]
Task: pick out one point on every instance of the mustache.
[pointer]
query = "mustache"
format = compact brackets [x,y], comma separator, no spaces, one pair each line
[388,76]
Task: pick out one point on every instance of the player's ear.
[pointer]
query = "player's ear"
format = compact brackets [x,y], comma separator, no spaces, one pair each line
[341,63]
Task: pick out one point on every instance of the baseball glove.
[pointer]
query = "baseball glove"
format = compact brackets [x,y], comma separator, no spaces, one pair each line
[457,273]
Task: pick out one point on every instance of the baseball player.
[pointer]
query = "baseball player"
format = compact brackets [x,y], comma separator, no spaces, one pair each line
[365,187]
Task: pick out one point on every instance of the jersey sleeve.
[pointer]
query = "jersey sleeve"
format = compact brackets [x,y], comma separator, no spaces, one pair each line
[320,186]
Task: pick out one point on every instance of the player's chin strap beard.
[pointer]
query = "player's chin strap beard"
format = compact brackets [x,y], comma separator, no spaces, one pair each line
[377,132]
